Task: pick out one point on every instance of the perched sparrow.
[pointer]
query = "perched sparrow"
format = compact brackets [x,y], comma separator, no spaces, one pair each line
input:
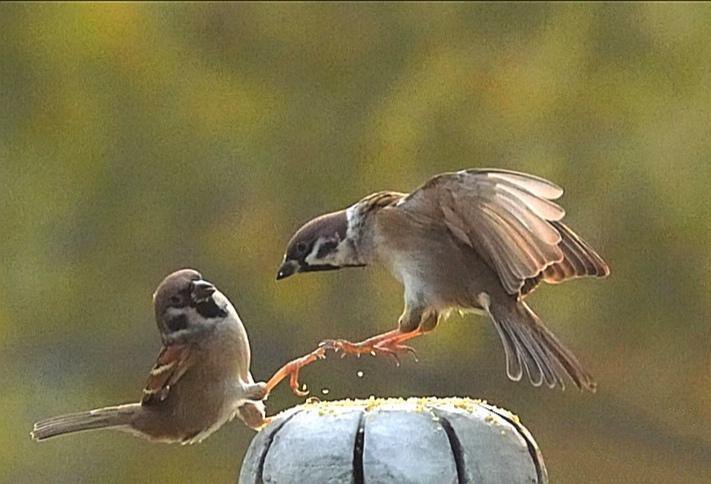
[474,240]
[200,380]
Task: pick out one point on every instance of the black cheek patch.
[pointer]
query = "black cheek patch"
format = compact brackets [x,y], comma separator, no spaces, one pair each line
[209,309]
[176,323]
[325,248]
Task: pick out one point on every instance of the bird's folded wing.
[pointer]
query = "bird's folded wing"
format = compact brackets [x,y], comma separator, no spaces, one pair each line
[507,217]
[172,363]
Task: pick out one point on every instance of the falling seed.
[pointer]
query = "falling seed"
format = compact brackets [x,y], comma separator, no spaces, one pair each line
[359,374]
[325,391]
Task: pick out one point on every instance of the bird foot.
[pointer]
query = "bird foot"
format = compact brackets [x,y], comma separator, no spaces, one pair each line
[253,416]
[391,347]
[292,369]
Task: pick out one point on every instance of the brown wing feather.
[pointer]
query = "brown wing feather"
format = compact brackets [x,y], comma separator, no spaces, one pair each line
[579,260]
[509,218]
[172,363]
[504,215]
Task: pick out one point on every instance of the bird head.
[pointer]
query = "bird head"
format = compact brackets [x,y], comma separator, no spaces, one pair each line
[321,244]
[184,295]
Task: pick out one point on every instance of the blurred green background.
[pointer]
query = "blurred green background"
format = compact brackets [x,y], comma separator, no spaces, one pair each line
[136,139]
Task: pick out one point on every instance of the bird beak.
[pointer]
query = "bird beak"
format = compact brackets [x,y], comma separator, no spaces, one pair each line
[288,268]
[202,290]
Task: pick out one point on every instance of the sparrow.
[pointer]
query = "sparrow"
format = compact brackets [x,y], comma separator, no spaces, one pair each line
[201,377]
[478,240]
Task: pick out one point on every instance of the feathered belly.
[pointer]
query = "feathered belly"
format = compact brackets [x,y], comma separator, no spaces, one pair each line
[447,281]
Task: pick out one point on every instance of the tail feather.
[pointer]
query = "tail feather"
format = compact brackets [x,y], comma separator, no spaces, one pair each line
[101,418]
[529,344]
[534,353]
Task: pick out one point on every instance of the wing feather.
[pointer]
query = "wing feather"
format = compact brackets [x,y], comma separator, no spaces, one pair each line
[523,239]
[518,262]
[541,253]
[501,257]
[579,259]
[510,220]
[172,363]
[542,207]
[535,222]
[538,186]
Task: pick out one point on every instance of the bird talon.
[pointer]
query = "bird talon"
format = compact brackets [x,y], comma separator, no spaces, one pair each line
[392,352]
[295,385]
[408,349]
[376,346]
[334,345]
[292,370]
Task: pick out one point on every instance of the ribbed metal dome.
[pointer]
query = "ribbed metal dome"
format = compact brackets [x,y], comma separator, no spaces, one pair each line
[418,440]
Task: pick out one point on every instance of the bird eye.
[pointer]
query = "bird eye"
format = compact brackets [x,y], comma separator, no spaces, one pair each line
[300,247]
[175,300]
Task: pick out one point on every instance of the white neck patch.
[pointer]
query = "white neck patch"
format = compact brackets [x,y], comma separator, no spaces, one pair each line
[353,217]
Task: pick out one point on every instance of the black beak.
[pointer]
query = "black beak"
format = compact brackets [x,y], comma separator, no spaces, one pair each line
[287,269]
[202,290]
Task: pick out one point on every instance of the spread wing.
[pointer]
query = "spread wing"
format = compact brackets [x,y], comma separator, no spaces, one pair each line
[511,221]
[172,363]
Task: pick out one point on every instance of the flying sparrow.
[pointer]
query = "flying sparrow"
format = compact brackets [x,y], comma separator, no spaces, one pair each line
[473,240]
[201,378]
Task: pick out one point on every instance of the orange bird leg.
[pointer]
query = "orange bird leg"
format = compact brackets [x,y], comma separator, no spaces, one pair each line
[292,369]
[390,344]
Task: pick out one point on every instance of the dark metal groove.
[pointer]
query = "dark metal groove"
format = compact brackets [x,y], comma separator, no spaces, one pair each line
[535,453]
[455,445]
[358,472]
[267,446]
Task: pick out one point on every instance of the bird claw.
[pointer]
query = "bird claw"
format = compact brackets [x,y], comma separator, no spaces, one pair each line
[394,350]
[295,386]
[345,347]
[388,352]
[400,348]
[335,345]
[292,370]
[387,348]
[384,345]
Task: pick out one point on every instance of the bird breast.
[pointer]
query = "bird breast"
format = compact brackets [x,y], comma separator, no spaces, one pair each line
[435,269]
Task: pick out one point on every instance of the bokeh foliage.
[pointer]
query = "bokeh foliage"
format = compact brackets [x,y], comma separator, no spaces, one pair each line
[139,138]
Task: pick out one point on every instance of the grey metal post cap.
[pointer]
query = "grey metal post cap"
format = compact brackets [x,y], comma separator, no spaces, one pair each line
[418,440]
